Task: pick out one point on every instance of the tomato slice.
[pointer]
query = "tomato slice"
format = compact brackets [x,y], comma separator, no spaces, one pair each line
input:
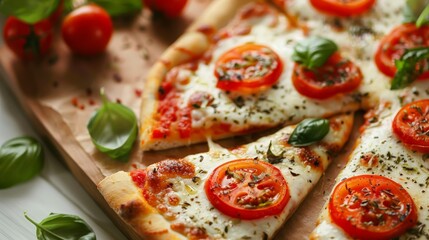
[337,75]
[411,125]
[248,68]
[393,46]
[343,8]
[247,189]
[372,207]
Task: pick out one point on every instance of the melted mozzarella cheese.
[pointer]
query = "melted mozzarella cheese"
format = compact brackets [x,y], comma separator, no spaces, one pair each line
[408,168]
[196,210]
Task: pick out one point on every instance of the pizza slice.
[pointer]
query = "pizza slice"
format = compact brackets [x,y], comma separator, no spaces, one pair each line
[242,67]
[382,193]
[247,192]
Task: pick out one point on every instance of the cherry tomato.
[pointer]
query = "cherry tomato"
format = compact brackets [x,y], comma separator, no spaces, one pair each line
[372,207]
[343,8]
[248,68]
[28,41]
[87,30]
[393,45]
[169,8]
[411,125]
[337,75]
[247,189]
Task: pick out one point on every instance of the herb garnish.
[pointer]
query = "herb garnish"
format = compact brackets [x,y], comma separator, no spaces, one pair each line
[61,227]
[416,11]
[313,52]
[309,131]
[410,67]
[113,129]
[272,158]
[20,160]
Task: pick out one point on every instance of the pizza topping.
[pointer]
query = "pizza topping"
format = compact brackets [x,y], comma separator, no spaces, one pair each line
[412,64]
[248,68]
[274,158]
[416,11]
[394,45]
[343,8]
[313,52]
[320,71]
[247,189]
[338,75]
[411,125]
[200,99]
[372,207]
[309,131]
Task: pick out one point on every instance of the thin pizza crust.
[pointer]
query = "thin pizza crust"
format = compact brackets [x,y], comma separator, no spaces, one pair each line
[126,200]
[216,16]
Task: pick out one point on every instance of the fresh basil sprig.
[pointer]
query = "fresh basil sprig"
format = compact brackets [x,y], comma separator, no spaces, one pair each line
[406,67]
[113,129]
[309,131]
[417,11]
[29,11]
[20,160]
[313,52]
[62,227]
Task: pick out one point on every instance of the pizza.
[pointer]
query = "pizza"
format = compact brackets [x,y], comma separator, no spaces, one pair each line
[382,192]
[246,192]
[249,65]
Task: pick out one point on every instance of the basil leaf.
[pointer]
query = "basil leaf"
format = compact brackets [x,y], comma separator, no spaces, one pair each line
[29,11]
[423,18]
[406,67]
[119,7]
[62,227]
[20,160]
[113,129]
[414,9]
[273,158]
[309,131]
[313,52]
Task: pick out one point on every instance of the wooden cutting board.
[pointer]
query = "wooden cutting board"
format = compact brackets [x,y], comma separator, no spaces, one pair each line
[60,92]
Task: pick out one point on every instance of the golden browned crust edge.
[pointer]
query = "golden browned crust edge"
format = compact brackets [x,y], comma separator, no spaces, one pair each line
[125,198]
[217,15]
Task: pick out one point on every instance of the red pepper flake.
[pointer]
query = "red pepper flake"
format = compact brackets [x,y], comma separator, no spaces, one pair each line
[134,165]
[91,102]
[81,107]
[75,102]
[138,92]
[117,78]
[118,101]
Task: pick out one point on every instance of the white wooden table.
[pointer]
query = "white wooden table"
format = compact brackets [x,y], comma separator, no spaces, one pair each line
[54,190]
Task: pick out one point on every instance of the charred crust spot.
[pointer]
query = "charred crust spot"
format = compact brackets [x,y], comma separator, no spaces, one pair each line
[130,209]
[309,157]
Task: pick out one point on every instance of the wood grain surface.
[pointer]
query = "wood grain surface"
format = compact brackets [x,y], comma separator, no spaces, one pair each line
[60,92]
